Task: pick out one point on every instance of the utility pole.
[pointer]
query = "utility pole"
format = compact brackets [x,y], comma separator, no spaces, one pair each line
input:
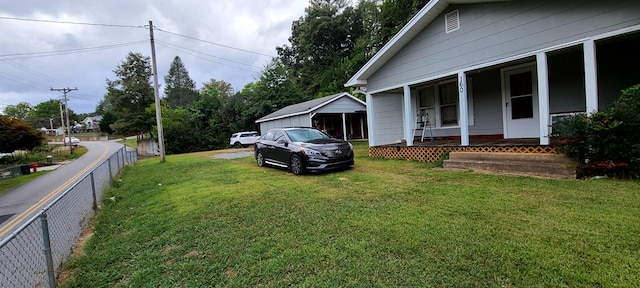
[66,107]
[157,94]
[62,121]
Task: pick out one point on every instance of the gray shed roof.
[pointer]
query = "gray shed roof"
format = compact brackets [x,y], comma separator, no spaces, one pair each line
[306,107]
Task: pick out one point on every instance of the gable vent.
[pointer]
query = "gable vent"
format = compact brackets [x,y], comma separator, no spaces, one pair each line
[452,21]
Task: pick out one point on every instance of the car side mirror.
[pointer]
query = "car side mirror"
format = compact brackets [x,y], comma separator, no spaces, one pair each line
[282,141]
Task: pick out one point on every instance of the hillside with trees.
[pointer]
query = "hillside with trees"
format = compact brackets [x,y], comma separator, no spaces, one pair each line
[328,44]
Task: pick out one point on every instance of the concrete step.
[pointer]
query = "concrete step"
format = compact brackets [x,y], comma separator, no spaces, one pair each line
[531,164]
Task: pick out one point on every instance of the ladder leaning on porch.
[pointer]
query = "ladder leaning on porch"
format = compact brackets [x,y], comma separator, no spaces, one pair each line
[422,122]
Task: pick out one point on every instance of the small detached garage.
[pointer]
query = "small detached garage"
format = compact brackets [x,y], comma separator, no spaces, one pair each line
[340,115]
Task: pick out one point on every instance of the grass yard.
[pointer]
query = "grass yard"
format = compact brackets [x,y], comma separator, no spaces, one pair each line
[196,221]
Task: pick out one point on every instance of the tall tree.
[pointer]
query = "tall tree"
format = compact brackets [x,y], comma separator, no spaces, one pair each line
[20,110]
[321,43]
[179,89]
[394,14]
[128,96]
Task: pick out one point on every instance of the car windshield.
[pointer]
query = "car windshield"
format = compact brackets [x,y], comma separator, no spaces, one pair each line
[305,135]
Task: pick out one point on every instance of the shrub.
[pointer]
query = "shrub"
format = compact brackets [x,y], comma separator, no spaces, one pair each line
[606,142]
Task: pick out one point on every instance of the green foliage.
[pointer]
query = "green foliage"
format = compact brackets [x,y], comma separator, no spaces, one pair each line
[108,118]
[16,134]
[130,95]
[179,89]
[42,113]
[444,157]
[606,142]
[20,110]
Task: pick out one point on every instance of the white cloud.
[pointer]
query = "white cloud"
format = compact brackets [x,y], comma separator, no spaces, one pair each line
[258,26]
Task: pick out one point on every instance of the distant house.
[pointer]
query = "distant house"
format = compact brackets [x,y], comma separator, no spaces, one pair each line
[340,115]
[502,69]
[92,123]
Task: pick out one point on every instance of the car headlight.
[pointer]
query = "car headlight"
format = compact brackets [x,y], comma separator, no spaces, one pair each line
[310,152]
[350,145]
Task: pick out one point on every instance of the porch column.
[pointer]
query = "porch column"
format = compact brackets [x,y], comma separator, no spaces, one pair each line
[590,76]
[408,135]
[344,127]
[370,123]
[543,97]
[463,109]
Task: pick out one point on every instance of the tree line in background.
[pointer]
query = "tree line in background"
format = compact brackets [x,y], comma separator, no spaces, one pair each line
[328,44]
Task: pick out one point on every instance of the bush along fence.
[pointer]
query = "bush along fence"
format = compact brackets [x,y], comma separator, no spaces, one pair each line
[32,255]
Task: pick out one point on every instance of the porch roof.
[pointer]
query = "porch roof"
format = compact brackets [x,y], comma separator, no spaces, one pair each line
[420,21]
[306,107]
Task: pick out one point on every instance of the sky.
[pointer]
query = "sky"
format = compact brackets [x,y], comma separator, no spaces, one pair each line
[223,40]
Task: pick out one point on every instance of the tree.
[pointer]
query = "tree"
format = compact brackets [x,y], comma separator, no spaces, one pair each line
[128,96]
[179,90]
[16,134]
[20,110]
[394,14]
[42,113]
[322,41]
[108,118]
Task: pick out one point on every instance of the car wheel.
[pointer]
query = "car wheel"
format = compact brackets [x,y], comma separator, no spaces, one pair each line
[237,145]
[296,165]
[259,159]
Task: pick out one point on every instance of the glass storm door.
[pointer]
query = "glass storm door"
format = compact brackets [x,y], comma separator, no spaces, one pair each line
[521,103]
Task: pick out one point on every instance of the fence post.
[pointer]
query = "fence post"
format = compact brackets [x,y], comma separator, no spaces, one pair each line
[93,192]
[110,174]
[124,151]
[47,250]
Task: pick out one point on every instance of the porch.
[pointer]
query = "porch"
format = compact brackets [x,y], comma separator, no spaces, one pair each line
[432,151]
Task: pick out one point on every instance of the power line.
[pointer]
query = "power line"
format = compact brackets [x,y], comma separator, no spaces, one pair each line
[71,51]
[70,22]
[204,58]
[34,72]
[213,43]
[213,56]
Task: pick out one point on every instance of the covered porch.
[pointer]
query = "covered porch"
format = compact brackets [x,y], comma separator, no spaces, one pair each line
[507,103]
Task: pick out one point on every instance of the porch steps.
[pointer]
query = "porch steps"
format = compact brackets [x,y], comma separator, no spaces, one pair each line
[527,164]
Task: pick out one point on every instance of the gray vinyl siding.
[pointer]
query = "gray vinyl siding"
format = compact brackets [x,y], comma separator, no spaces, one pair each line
[301,120]
[342,105]
[494,31]
[388,126]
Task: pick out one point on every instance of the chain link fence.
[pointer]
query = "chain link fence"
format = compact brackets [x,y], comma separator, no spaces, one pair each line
[32,255]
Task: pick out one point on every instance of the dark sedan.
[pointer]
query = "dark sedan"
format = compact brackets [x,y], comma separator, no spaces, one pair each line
[302,149]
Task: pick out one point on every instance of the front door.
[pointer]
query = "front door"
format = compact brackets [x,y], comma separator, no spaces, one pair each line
[520,102]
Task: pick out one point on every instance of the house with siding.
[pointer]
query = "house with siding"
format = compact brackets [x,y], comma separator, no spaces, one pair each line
[340,115]
[480,69]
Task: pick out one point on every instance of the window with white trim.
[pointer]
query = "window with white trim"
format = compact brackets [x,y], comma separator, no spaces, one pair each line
[439,104]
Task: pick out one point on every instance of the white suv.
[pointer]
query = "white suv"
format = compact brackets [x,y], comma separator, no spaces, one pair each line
[243,139]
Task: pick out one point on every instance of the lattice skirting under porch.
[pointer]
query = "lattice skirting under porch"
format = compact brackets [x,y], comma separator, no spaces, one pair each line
[434,153]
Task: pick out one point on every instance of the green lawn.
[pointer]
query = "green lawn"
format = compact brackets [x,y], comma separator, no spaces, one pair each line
[196,221]
[61,154]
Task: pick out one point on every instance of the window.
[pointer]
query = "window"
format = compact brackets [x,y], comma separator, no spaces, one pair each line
[448,94]
[427,104]
[439,103]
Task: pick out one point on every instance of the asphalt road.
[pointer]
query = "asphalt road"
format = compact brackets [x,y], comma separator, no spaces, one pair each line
[20,203]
